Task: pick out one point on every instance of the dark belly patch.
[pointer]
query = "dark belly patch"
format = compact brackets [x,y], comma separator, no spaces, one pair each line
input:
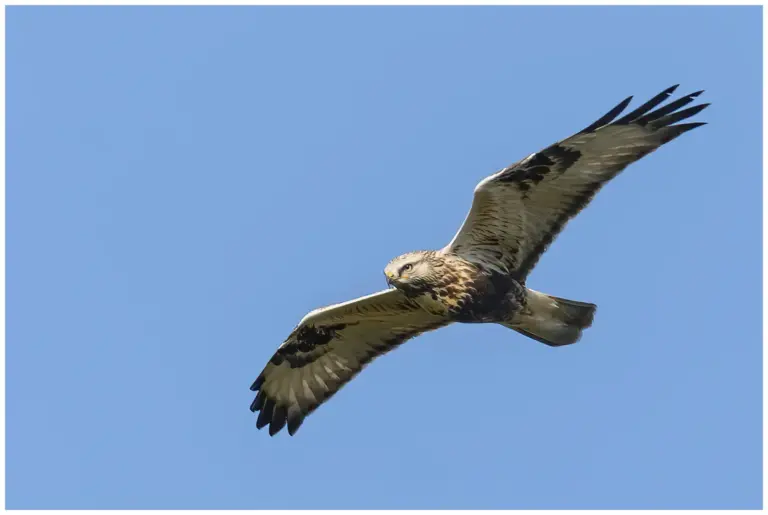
[488,298]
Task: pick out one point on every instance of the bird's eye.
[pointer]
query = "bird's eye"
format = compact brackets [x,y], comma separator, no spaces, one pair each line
[406,267]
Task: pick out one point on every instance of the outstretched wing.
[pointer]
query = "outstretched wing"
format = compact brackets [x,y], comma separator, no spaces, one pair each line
[328,348]
[517,212]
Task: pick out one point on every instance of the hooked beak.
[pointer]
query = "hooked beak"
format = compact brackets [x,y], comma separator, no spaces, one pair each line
[390,278]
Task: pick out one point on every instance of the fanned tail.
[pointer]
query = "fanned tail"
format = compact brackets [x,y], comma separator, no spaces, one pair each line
[553,320]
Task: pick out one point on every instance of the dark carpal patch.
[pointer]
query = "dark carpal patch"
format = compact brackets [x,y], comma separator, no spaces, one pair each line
[299,350]
[555,159]
[565,157]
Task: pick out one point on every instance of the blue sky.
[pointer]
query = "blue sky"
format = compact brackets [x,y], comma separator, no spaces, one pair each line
[184,184]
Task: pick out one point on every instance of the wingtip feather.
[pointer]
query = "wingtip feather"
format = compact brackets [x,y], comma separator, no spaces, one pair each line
[265,416]
[673,131]
[677,116]
[294,425]
[257,383]
[278,420]
[609,116]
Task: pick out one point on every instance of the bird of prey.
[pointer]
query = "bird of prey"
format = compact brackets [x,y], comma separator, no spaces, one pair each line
[480,276]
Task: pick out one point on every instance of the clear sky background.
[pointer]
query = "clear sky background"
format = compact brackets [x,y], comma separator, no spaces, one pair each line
[184,184]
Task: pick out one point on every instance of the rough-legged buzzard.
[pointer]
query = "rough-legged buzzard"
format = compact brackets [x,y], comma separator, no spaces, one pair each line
[480,275]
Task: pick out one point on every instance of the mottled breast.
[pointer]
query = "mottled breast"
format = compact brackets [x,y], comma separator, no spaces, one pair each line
[469,293]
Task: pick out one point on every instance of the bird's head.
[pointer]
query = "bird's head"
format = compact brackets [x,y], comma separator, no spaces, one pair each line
[412,272]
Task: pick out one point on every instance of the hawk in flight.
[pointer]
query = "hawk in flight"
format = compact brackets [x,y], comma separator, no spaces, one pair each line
[480,276]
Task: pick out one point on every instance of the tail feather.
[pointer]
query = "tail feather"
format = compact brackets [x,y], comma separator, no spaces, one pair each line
[553,320]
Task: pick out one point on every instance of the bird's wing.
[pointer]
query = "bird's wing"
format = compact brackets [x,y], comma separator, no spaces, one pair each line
[328,348]
[517,212]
